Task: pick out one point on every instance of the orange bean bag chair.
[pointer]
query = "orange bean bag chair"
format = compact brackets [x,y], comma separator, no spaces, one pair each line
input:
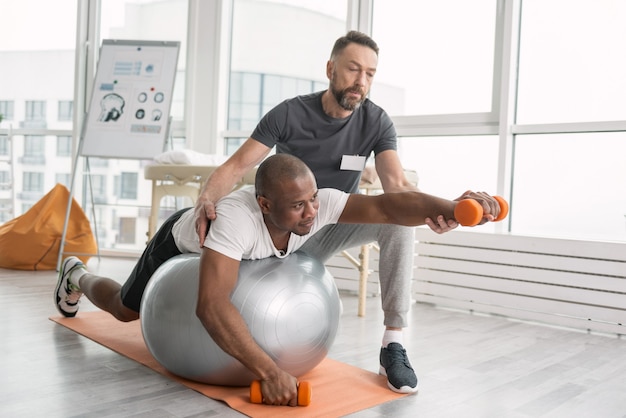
[31,241]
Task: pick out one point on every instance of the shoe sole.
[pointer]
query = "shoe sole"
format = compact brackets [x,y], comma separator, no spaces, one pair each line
[404,389]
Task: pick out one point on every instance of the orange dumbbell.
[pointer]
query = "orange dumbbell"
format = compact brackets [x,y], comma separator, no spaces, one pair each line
[304,393]
[469,212]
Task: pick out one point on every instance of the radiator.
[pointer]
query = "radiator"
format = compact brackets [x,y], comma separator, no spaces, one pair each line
[568,283]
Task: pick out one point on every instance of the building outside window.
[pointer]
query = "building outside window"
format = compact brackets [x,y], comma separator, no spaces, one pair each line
[253,95]
[127,231]
[127,186]
[33,146]
[36,70]
[33,182]
[5,180]
[34,150]
[256,83]
[98,186]
[26,207]
[6,210]
[65,110]
[35,110]
[4,145]
[64,146]
[6,109]
[63,178]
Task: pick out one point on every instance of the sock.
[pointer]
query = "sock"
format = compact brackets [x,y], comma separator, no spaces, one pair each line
[392,336]
[75,277]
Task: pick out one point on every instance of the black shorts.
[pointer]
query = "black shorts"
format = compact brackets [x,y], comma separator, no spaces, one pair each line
[160,249]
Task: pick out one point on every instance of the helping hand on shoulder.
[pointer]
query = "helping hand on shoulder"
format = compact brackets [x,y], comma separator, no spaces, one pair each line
[204,211]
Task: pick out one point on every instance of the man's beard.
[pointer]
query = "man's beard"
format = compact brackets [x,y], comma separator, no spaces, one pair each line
[344,101]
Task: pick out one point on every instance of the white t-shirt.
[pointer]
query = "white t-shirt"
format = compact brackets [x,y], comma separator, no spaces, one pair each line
[239,231]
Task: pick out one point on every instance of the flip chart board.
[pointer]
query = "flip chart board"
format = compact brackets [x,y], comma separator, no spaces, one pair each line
[132,96]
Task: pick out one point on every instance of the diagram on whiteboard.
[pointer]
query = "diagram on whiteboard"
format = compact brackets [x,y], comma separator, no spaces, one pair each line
[132,96]
[112,107]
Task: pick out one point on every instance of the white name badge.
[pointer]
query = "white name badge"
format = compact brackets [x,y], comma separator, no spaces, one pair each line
[352,162]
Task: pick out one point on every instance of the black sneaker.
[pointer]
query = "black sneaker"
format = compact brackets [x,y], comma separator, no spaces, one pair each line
[66,295]
[394,364]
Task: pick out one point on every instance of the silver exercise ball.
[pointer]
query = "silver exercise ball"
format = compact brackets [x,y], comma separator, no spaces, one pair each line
[291,307]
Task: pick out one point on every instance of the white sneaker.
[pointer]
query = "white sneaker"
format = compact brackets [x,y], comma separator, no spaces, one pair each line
[66,294]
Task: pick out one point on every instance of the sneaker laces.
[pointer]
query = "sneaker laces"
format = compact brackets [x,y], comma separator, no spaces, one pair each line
[398,355]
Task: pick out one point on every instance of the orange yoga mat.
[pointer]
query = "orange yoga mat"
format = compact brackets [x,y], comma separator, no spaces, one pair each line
[338,388]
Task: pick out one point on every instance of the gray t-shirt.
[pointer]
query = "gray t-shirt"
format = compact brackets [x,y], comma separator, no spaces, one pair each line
[299,126]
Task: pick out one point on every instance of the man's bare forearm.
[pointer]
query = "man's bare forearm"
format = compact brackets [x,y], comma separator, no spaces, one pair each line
[220,183]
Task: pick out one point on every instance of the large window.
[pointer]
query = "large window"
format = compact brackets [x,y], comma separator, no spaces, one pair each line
[154,20]
[570,96]
[438,77]
[436,57]
[37,41]
[448,166]
[285,66]
[253,95]
[572,63]
[149,20]
[570,186]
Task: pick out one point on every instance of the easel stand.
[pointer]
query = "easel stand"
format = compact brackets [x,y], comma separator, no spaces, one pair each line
[129,111]
[69,209]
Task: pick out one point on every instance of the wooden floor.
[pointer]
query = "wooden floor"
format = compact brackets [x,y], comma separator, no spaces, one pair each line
[468,365]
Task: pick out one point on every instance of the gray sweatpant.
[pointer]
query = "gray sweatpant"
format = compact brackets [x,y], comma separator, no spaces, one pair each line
[395,265]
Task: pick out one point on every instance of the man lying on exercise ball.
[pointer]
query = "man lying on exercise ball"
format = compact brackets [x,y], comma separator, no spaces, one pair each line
[275,218]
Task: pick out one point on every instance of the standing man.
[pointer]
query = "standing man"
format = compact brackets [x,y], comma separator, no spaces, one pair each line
[334,132]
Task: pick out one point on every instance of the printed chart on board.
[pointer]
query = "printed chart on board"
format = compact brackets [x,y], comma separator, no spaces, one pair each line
[131,99]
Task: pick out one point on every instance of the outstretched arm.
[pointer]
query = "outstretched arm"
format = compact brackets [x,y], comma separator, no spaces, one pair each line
[222,320]
[393,179]
[222,181]
[411,208]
